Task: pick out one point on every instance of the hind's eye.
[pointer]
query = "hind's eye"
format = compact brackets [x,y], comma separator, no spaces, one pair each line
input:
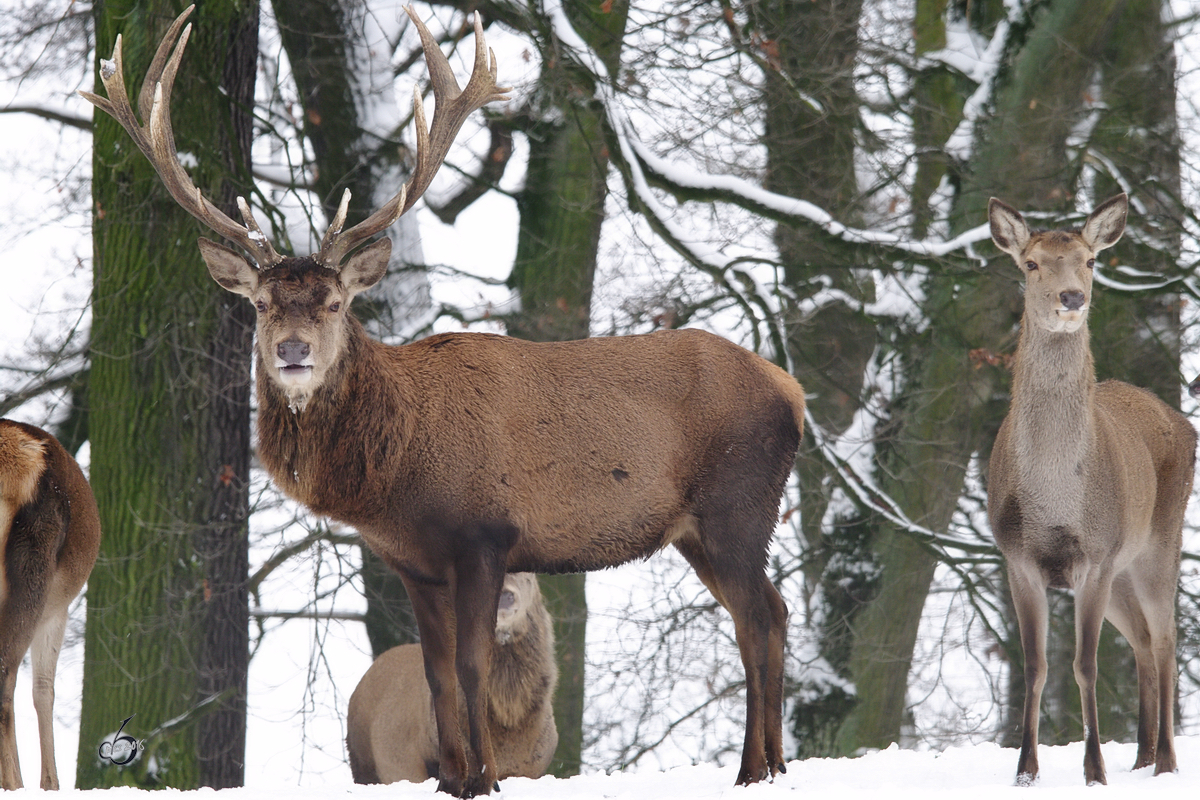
[261,306]
[1031,265]
[1091,263]
[335,307]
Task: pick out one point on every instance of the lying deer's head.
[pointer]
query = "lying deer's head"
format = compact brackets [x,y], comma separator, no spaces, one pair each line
[1057,264]
[302,302]
[519,595]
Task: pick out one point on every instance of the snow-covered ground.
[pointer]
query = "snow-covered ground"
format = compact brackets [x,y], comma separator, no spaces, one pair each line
[894,773]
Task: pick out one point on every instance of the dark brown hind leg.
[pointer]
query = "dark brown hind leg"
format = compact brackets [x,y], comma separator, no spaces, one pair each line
[760,620]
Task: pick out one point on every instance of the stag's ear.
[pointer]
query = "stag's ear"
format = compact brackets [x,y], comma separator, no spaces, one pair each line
[1104,226]
[1009,231]
[367,267]
[229,268]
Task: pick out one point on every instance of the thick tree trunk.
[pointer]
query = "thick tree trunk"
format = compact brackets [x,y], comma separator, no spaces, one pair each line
[562,208]
[949,411]
[325,41]
[811,112]
[169,425]
[1135,338]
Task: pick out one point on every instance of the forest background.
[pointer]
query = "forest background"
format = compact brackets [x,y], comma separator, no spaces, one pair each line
[808,179]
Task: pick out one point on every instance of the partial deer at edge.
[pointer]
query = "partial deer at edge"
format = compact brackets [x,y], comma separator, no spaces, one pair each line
[1087,489]
[465,456]
[49,539]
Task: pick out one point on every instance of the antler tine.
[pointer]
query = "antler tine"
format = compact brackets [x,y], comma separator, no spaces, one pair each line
[156,140]
[453,106]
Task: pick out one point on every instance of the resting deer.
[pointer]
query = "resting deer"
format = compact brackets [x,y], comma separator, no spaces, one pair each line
[1087,488]
[49,539]
[465,456]
[391,733]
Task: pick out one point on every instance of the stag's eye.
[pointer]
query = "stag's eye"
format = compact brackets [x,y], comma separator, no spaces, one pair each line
[1031,266]
[335,307]
[1091,263]
[261,306]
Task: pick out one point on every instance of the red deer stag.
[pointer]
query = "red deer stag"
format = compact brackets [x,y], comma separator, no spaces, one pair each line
[391,733]
[1087,488]
[49,538]
[464,456]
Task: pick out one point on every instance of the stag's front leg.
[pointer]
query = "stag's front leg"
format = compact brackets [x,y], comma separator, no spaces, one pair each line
[433,606]
[479,575]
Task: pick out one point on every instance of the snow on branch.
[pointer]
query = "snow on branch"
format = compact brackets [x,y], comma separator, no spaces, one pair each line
[878,501]
[642,169]
[753,197]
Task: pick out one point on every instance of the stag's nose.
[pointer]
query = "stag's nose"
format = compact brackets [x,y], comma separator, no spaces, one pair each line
[1072,301]
[293,351]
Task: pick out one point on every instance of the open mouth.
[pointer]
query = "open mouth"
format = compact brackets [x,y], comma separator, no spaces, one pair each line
[292,374]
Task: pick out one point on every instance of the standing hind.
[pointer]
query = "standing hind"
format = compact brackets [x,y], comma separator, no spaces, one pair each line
[1087,489]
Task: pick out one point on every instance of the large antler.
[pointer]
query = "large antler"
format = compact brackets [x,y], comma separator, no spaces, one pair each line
[157,141]
[453,106]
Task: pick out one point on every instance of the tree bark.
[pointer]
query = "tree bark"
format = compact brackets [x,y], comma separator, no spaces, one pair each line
[323,40]
[562,209]
[949,412]
[166,634]
[1135,337]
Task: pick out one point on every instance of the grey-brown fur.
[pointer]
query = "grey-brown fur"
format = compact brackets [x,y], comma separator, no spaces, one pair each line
[391,730]
[1087,489]
[49,539]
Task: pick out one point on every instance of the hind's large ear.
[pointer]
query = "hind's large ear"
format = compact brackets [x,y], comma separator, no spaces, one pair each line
[1009,231]
[1104,226]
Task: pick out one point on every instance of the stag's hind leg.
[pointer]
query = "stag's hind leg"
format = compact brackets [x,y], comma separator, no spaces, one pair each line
[760,622]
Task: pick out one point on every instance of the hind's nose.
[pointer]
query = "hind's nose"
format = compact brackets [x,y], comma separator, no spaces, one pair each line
[1072,301]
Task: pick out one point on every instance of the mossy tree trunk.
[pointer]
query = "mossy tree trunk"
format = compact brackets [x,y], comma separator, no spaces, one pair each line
[561,211]
[1135,337]
[950,411]
[323,42]
[166,633]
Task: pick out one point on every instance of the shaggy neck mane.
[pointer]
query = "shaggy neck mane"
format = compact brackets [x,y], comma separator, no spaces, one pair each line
[324,453]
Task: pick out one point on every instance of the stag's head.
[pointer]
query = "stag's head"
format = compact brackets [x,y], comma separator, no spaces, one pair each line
[302,302]
[1057,265]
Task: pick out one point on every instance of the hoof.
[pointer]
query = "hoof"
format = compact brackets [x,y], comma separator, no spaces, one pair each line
[1026,778]
[749,776]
